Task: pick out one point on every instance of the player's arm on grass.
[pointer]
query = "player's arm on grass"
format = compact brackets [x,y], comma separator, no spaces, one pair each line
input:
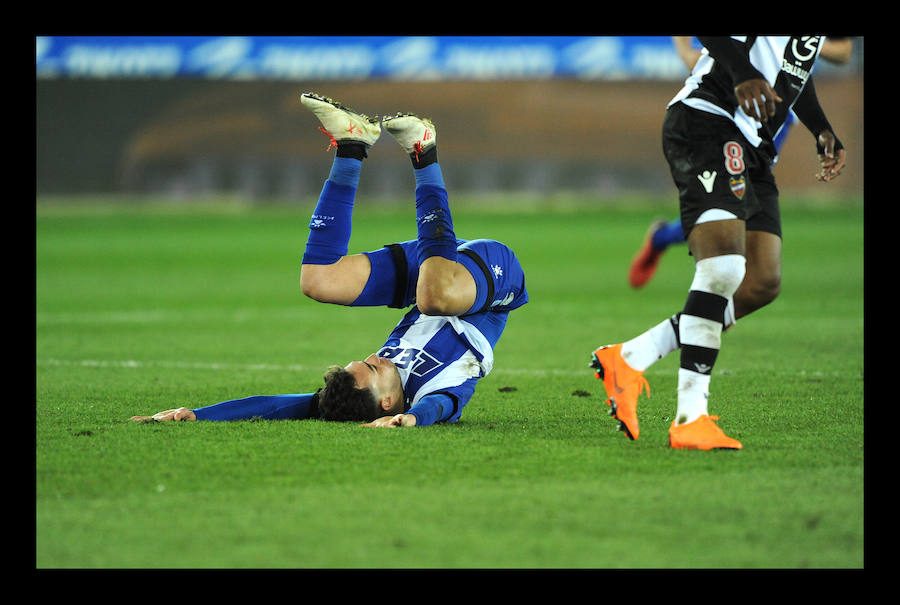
[828,147]
[264,407]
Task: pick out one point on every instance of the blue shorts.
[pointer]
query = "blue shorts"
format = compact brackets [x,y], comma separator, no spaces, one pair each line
[499,277]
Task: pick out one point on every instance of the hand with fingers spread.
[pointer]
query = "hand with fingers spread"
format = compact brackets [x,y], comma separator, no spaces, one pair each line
[757,98]
[830,159]
[178,414]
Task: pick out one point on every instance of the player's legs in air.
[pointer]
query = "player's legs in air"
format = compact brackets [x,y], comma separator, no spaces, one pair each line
[444,286]
[328,274]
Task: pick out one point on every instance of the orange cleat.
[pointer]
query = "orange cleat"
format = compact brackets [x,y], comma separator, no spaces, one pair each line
[701,434]
[623,385]
[645,262]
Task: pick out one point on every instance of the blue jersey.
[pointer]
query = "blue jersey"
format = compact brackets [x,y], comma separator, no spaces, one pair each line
[441,358]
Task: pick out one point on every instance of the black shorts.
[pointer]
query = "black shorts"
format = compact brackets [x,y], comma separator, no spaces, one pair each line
[714,166]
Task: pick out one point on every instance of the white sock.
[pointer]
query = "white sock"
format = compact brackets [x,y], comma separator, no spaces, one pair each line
[646,349]
[693,396]
[729,314]
[705,312]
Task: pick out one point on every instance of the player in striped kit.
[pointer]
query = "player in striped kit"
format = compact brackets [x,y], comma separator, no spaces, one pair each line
[719,140]
[461,292]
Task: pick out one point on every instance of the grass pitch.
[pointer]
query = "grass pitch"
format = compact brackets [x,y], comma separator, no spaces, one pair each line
[145,308]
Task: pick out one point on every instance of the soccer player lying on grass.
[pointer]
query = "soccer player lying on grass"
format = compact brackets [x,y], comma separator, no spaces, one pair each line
[463,292]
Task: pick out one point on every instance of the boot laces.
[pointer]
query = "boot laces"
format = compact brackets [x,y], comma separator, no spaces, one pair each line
[332,142]
[417,147]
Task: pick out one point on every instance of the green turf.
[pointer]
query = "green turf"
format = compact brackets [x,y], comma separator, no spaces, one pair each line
[149,308]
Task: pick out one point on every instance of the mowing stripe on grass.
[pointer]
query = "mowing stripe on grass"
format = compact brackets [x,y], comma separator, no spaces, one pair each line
[197,365]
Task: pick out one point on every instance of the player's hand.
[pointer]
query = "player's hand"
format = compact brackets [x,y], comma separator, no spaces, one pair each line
[757,98]
[180,414]
[392,421]
[831,161]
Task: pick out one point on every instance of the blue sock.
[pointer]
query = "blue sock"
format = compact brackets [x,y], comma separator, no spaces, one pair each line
[434,223]
[345,171]
[330,225]
[430,175]
[668,234]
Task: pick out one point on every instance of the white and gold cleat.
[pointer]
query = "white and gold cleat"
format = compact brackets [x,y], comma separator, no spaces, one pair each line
[342,123]
[416,135]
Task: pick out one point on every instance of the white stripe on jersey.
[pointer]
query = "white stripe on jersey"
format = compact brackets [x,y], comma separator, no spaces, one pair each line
[455,374]
[474,354]
[476,340]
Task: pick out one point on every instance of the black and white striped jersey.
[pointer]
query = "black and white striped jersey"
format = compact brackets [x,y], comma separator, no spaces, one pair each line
[785,61]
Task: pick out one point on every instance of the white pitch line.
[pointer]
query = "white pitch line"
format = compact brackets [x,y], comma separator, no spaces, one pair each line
[134,364]
[130,363]
[269,367]
[51,318]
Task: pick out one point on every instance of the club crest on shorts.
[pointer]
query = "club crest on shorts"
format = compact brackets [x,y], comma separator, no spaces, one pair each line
[738,186]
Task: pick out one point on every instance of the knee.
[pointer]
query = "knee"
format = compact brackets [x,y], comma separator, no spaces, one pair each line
[437,285]
[432,299]
[720,275]
[310,289]
[759,290]
[770,288]
[314,283]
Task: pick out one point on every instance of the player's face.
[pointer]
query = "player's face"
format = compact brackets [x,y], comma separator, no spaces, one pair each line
[381,376]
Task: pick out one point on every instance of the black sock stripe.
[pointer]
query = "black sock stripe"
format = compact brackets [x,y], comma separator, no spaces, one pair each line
[698,359]
[424,159]
[705,305]
[674,321]
[351,149]
[488,276]
[402,269]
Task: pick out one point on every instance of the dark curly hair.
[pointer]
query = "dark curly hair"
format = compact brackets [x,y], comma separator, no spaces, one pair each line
[341,400]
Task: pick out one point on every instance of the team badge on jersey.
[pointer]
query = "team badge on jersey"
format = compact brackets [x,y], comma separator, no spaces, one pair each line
[738,186]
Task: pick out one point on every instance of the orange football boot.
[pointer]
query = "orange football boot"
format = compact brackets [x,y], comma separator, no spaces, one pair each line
[701,434]
[623,386]
[644,264]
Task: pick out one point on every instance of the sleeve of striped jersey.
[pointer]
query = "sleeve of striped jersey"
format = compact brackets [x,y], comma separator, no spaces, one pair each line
[266,407]
[433,408]
[810,113]
[730,54]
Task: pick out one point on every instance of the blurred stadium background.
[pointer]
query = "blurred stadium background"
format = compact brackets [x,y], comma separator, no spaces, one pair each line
[194,117]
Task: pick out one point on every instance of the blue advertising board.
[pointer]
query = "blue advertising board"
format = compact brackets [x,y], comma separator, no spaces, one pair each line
[358,57]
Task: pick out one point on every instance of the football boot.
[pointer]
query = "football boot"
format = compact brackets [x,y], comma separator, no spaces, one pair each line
[623,385]
[645,262]
[414,134]
[701,434]
[341,123]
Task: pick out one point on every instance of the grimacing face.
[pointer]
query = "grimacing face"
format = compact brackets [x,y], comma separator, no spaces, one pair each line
[380,375]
